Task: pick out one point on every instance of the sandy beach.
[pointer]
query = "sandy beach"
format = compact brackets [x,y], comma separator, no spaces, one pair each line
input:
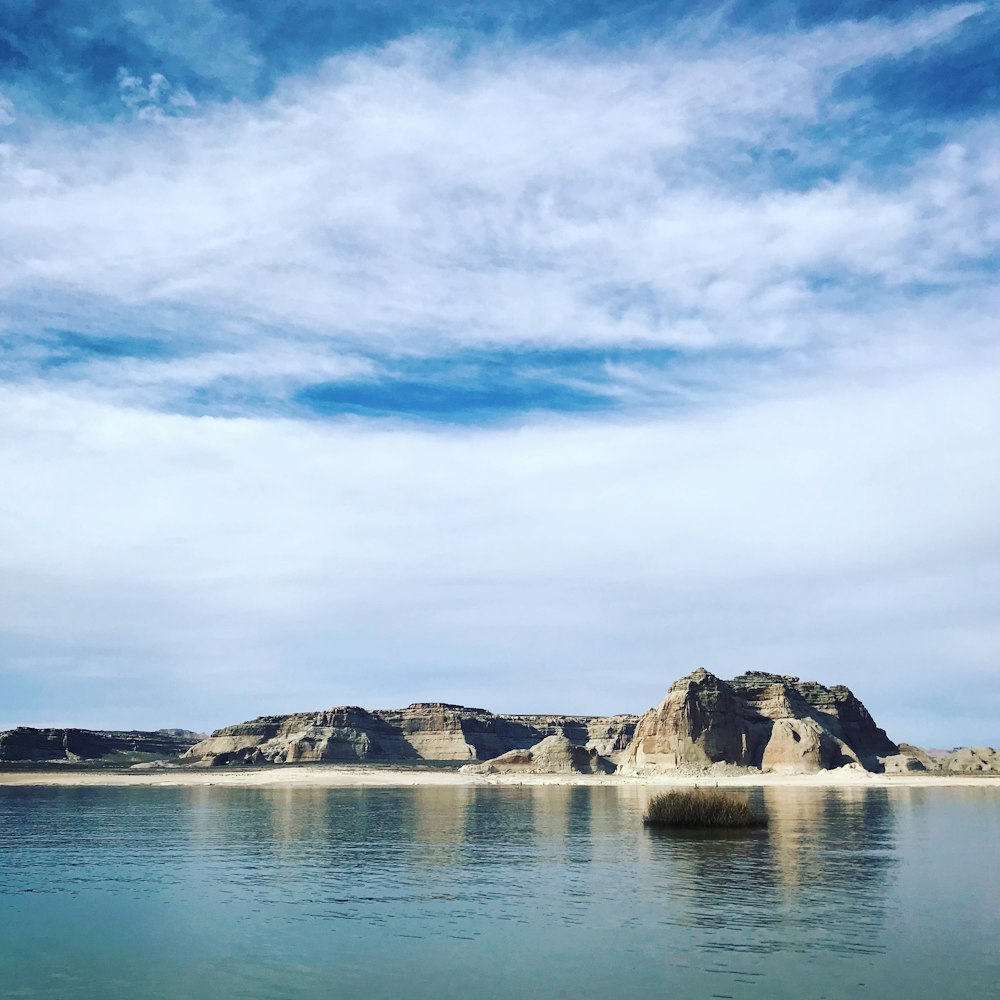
[334,776]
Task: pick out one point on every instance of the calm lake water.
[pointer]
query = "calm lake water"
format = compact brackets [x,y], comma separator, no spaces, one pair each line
[493,893]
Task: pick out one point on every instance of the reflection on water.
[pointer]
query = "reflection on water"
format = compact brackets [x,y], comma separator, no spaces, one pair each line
[501,891]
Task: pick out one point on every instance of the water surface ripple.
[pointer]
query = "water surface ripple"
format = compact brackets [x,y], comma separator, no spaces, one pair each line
[495,892]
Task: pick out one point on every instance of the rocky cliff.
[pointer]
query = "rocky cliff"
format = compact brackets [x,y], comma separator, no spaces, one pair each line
[423,731]
[768,721]
[761,720]
[28,744]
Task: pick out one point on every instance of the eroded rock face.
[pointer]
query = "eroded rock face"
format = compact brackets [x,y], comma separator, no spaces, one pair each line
[902,763]
[699,722]
[29,744]
[348,733]
[553,755]
[422,731]
[964,760]
[767,721]
[797,746]
[971,760]
[927,760]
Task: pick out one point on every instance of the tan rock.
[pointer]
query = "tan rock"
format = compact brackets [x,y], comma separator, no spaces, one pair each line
[698,723]
[902,763]
[422,731]
[553,755]
[972,760]
[761,720]
[215,746]
[800,746]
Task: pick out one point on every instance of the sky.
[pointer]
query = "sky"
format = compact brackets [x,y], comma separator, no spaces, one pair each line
[519,355]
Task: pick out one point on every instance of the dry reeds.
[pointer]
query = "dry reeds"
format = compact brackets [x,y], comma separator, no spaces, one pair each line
[702,808]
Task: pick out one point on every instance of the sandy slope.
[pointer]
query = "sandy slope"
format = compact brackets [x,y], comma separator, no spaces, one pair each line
[334,776]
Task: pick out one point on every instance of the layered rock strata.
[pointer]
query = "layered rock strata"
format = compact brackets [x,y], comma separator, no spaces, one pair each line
[423,731]
[28,744]
[553,755]
[767,721]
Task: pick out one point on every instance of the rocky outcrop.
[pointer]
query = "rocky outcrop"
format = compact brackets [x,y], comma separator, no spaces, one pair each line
[971,760]
[29,744]
[902,763]
[767,721]
[348,733]
[609,735]
[760,720]
[423,731]
[801,745]
[553,755]
[925,758]
[964,760]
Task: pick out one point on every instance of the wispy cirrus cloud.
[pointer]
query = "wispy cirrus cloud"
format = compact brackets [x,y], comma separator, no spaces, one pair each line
[153,99]
[418,199]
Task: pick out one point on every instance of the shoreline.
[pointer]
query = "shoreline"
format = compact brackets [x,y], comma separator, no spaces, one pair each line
[360,776]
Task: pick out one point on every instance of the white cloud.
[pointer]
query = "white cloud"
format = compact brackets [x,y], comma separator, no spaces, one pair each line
[844,531]
[199,33]
[155,100]
[410,196]
[274,368]
[839,524]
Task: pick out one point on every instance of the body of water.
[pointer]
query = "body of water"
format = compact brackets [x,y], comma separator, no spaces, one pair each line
[493,892]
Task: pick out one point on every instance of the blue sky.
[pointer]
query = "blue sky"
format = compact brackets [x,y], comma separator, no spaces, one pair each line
[527,355]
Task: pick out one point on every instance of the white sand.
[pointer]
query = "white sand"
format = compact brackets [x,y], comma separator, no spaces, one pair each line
[347,776]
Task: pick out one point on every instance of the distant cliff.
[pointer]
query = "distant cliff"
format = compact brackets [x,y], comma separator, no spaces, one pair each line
[28,744]
[768,721]
[423,731]
[771,722]
[964,760]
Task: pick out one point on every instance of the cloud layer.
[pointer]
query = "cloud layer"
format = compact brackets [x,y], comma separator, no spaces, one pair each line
[530,371]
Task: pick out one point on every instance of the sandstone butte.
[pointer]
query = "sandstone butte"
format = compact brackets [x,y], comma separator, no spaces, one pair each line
[769,722]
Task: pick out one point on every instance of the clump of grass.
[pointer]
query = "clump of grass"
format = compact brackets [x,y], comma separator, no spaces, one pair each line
[702,808]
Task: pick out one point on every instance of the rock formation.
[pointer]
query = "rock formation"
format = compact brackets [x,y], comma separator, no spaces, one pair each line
[971,760]
[553,755]
[28,744]
[924,758]
[902,763]
[963,760]
[768,721]
[758,720]
[423,731]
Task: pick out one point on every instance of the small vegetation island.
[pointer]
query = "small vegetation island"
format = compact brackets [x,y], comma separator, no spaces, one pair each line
[702,809]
